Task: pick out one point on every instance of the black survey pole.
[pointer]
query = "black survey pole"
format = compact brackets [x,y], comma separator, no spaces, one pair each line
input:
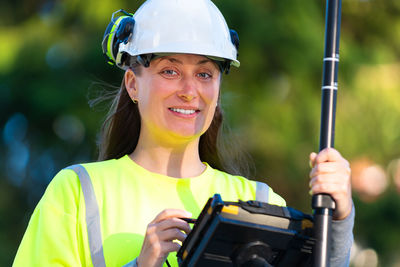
[322,204]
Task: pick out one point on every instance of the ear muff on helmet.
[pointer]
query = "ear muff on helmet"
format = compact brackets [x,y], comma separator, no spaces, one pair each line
[118,31]
[235,40]
[225,66]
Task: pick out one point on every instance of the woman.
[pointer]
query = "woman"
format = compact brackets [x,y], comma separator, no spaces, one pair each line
[159,151]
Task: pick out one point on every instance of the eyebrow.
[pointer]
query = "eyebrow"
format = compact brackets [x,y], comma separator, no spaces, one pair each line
[174,60]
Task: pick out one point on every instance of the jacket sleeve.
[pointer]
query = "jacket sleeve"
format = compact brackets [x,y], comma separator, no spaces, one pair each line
[342,240]
[53,236]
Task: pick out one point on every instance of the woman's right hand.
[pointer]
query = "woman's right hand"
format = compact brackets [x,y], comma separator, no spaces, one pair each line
[161,236]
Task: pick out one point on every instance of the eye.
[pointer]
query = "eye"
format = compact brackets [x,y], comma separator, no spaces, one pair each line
[204,75]
[169,72]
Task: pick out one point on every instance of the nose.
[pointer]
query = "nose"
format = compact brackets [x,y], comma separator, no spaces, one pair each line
[189,90]
[186,97]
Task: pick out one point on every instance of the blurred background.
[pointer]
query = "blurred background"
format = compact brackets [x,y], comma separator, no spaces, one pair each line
[51,65]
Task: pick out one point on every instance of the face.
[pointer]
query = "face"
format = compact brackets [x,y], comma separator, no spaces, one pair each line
[177,96]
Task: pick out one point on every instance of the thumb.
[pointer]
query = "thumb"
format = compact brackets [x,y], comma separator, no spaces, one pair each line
[313,155]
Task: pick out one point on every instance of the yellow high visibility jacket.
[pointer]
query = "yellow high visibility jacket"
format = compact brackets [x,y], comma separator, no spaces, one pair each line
[128,197]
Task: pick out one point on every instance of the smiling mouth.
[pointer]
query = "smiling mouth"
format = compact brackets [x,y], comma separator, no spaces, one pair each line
[184,111]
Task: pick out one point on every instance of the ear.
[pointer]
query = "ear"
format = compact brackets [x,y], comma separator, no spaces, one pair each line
[130,84]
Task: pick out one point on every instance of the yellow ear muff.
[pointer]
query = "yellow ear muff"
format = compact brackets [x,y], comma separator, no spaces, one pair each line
[117,32]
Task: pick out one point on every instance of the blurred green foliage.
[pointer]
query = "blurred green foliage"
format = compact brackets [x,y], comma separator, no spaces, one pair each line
[51,63]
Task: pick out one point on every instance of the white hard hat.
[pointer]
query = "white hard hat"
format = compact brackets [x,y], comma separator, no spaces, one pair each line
[179,26]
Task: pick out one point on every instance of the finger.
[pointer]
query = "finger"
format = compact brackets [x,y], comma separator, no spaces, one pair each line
[172,234]
[337,178]
[168,246]
[330,168]
[329,186]
[328,155]
[173,223]
[312,157]
[341,196]
[184,226]
[170,213]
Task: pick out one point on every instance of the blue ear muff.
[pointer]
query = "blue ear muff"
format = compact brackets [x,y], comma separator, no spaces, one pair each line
[235,40]
[117,32]
[225,66]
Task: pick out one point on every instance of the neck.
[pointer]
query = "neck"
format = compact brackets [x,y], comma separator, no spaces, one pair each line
[176,160]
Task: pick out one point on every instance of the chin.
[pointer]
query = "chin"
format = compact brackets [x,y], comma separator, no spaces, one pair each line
[186,133]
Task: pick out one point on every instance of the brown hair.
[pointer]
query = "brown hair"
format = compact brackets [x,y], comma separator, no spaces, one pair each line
[121,129]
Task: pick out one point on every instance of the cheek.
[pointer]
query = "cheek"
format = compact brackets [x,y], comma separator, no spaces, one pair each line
[211,94]
[154,91]
[211,97]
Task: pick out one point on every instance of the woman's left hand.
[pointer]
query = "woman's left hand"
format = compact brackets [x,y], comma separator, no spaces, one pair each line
[330,174]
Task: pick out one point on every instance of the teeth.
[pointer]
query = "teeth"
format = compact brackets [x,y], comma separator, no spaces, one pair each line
[183,111]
